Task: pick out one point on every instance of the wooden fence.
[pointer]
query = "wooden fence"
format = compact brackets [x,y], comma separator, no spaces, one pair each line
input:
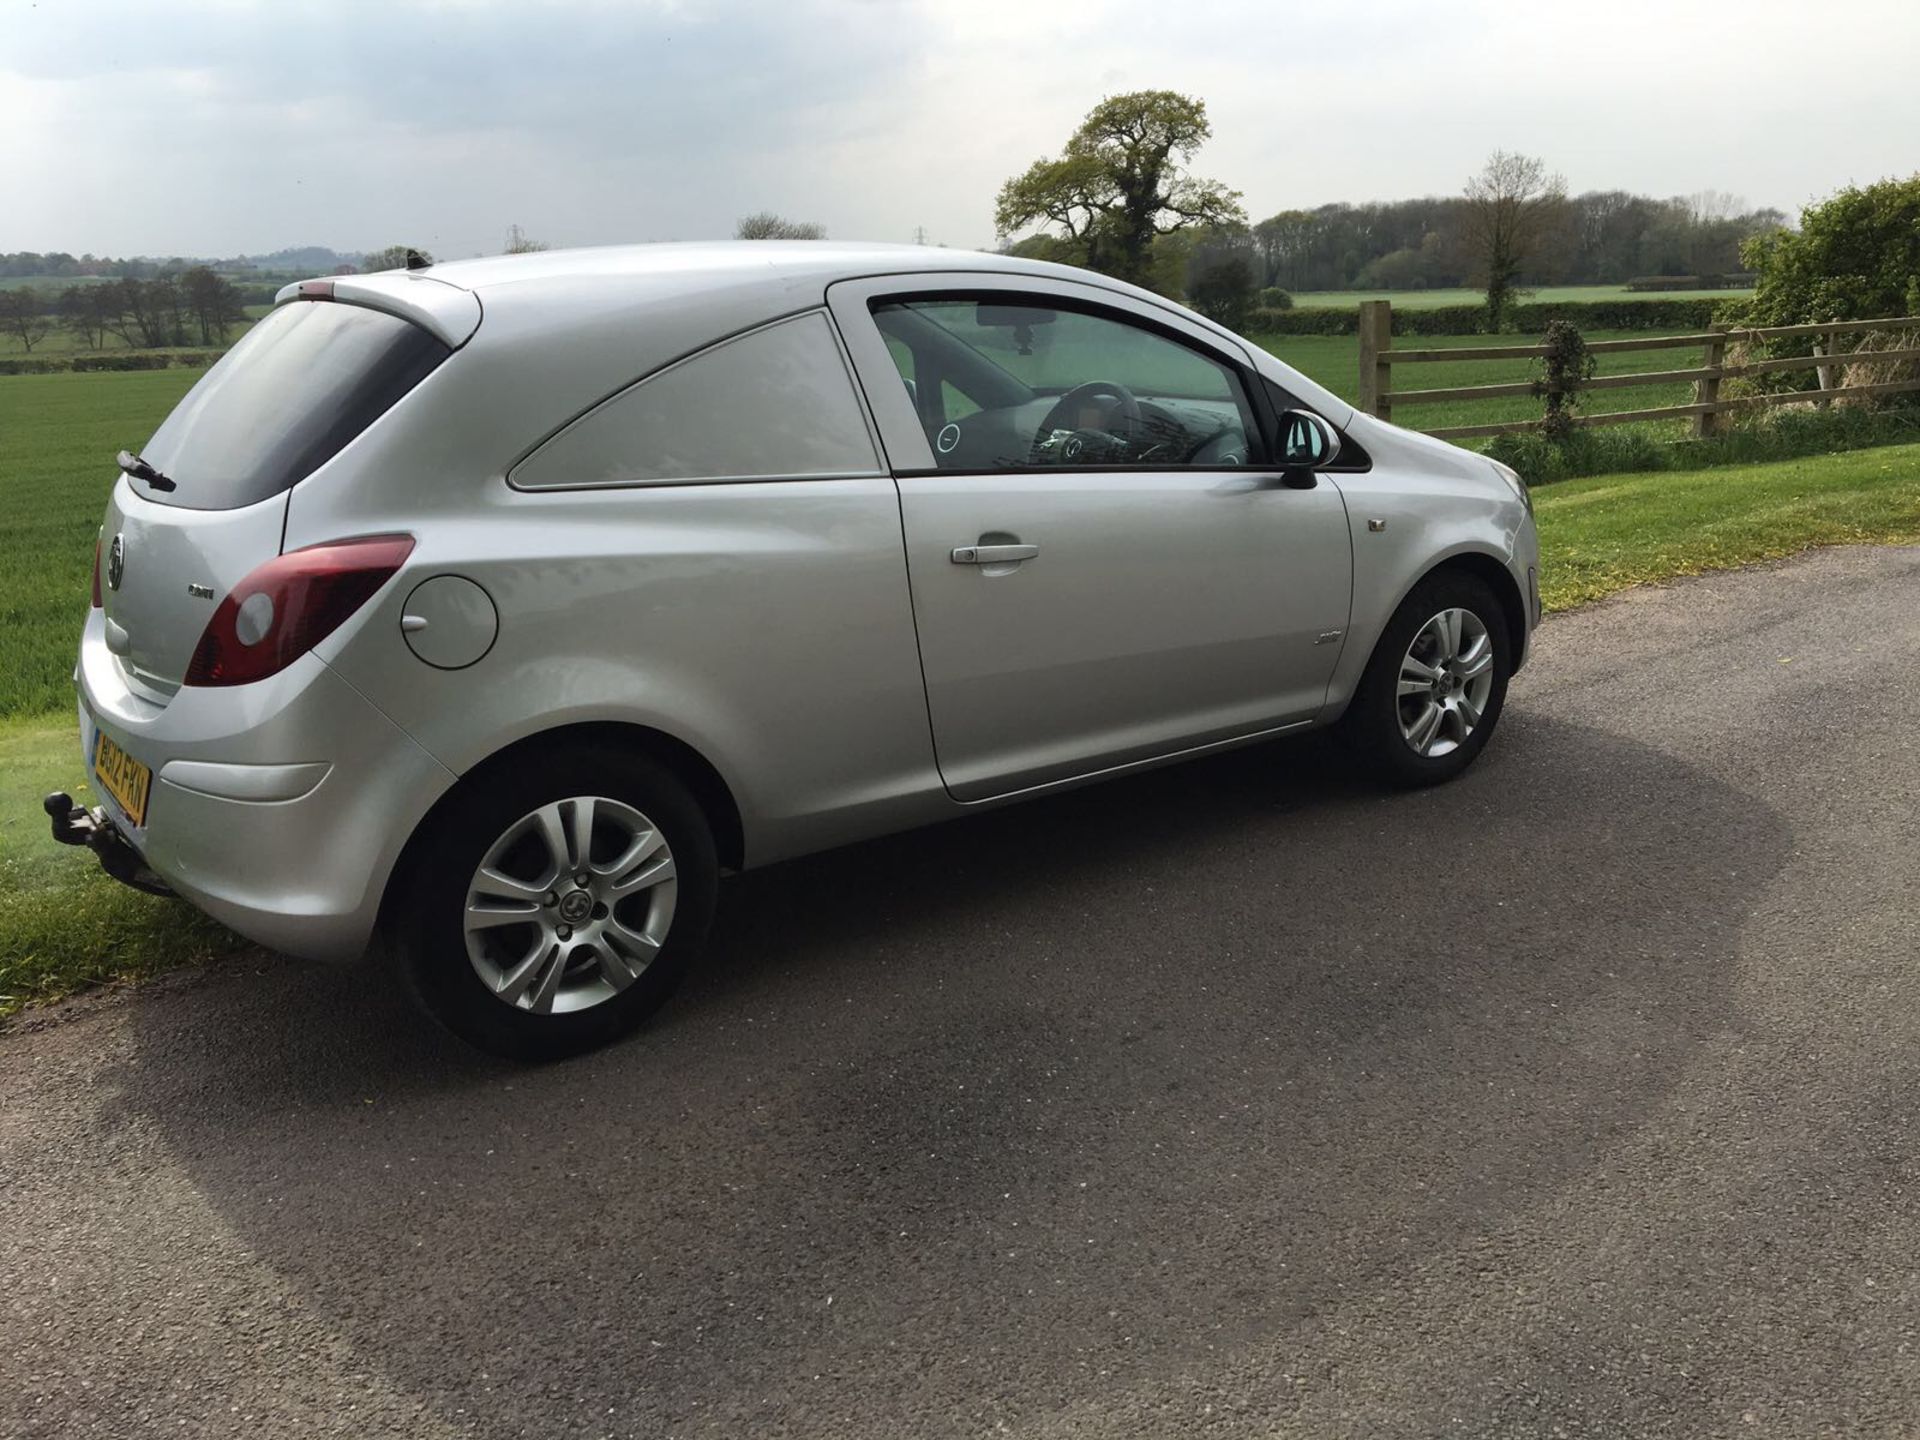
[1378,357]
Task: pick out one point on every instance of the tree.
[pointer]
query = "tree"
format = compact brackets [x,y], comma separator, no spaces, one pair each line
[114,305]
[24,316]
[765,225]
[1510,205]
[1072,192]
[1042,246]
[1283,241]
[394,257]
[1220,283]
[82,312]
[1120,182]
[1404,269]
[519,244]
[165,306]
[213,302]
[1856,256]
[144,313]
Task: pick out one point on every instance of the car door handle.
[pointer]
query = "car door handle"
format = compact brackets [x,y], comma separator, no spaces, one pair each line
[993,554]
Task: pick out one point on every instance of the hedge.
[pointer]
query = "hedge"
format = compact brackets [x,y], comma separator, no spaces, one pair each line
[1673,316]
[130,360]
[1740,280]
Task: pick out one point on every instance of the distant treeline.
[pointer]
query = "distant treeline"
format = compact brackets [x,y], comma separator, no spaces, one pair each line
[296,262]
[196,307]
[1605,237]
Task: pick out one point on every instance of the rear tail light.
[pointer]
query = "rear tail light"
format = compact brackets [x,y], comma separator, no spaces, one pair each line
[97,601]
[289,605]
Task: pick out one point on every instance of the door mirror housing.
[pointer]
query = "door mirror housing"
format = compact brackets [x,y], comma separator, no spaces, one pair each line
[1307,443]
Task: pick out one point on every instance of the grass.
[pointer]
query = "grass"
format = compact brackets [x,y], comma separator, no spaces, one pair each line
[1546,295]
[58,437]
[61,343]
[64,926]
[1608,532]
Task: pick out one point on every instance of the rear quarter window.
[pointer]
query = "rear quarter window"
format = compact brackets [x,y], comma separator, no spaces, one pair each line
[286,399]
[773,403]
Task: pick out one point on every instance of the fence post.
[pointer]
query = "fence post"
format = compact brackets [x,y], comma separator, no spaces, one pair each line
[1707,392]
[1831,377]
[1376,375]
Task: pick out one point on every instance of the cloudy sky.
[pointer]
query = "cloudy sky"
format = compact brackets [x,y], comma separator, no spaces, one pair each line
[223,126]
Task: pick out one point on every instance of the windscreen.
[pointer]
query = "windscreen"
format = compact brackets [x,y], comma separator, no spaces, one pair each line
[284,400]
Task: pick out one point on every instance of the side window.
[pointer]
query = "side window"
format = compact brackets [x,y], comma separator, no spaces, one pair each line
[776,402]
[1016,384]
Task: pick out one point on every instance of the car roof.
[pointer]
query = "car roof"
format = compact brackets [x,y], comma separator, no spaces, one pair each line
[645,305]
[729,263]
[750,275]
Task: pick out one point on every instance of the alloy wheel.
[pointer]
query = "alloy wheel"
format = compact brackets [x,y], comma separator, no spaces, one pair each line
[570,904]
[1446,680]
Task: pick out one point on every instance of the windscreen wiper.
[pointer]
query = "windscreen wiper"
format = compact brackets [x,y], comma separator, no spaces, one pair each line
[139,469]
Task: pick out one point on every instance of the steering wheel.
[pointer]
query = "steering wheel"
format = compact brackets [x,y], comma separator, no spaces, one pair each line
[1094,390]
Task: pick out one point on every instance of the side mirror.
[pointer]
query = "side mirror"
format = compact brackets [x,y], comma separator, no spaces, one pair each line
[1307,443]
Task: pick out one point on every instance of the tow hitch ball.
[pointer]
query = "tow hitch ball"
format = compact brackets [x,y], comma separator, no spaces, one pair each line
[76,825]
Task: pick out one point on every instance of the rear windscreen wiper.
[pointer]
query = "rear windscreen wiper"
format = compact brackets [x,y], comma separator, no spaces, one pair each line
[133,465]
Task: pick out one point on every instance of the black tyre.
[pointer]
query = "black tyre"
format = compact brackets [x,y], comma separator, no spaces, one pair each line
[1434,688]
[556,901]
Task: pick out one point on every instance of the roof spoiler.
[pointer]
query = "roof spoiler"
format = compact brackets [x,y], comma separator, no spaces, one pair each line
[449,311]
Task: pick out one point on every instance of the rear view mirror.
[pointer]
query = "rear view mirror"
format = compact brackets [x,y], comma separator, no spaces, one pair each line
[1010,317]
[1306,441]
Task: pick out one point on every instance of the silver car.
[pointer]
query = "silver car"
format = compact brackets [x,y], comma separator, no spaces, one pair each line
[491,610]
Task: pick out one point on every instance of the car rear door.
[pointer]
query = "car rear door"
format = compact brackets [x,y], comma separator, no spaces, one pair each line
[1084,602]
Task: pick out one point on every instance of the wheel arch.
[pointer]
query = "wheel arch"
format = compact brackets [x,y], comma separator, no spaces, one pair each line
[1498,578]
[709,789]
[1471,558]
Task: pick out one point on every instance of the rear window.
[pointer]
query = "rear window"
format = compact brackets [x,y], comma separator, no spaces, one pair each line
[283,401]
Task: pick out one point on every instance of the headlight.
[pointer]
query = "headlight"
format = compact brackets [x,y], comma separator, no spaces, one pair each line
[1512,477]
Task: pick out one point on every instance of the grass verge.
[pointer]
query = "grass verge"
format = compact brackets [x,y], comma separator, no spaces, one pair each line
[1608,532]
[64,926]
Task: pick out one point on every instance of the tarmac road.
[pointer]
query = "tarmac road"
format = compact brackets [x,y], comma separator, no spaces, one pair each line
[1576,1098]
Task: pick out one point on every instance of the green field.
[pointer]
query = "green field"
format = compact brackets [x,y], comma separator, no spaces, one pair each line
[48,284]
[58,437]
[1546,295]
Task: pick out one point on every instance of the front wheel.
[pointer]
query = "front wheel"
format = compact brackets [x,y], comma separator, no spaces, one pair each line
[557,903]
[1434,688]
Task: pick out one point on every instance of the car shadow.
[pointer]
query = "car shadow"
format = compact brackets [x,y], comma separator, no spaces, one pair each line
[1075,1092]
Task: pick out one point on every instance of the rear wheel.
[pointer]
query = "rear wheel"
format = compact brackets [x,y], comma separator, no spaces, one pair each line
[1434,688]
[557,902]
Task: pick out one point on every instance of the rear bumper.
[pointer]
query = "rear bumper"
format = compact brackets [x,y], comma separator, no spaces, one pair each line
[278,808]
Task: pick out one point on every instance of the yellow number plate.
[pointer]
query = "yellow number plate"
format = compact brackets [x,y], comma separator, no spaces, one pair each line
[122,777]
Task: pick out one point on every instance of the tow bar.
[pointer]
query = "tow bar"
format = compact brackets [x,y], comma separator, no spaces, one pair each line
[76,825]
